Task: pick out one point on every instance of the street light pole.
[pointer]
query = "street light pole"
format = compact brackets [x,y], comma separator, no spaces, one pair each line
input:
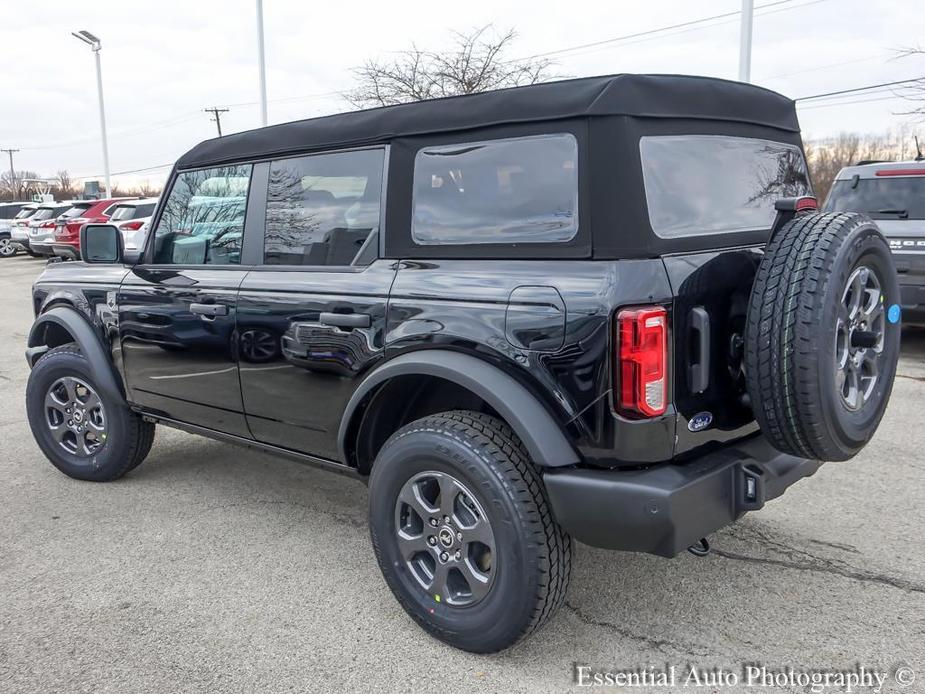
[745,41]
[95,45]
[261,65]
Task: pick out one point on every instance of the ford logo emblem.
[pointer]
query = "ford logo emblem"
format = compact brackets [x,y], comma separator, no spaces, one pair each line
[700,421]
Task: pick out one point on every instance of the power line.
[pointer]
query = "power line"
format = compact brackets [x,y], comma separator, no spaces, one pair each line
[217,116]
[694,23]
[827,95]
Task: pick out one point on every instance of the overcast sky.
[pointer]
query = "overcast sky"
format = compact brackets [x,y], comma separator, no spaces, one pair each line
[163,62]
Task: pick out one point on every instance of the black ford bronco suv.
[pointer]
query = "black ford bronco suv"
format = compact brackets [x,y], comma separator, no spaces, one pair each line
[603,309]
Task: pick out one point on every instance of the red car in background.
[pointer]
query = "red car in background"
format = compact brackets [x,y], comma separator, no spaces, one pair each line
[67,227]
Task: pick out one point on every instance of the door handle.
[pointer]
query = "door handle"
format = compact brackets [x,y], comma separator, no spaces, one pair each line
[209,310]
[346,320]
[700,365]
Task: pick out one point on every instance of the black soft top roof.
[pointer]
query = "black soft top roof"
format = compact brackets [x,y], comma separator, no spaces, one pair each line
[649,96]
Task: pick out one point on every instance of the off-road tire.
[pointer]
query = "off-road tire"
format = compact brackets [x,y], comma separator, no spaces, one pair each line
[533,562]
[129,437]
[790,338]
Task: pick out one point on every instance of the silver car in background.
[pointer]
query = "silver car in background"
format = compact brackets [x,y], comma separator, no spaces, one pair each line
[892,193]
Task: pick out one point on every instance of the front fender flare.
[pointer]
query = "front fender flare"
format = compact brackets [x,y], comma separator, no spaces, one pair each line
[88,341]
[528,417]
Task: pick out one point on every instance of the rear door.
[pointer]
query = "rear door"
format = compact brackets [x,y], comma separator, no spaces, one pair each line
[311,314]
[177,309]
[715,189]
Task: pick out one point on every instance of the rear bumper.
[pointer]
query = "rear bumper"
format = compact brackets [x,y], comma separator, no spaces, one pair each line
[41,247]
[665,509]
[66,250]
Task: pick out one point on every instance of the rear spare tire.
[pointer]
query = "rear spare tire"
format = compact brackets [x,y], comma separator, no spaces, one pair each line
[822,337]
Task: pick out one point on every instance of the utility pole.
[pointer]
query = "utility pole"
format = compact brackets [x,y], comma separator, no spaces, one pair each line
[261,65]
[745,41]
[217,116]
[13,190]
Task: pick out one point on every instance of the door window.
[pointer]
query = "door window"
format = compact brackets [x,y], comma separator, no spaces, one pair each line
[324,209]
[203,218]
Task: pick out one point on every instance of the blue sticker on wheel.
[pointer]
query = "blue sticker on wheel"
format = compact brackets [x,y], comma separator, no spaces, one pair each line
[894,313]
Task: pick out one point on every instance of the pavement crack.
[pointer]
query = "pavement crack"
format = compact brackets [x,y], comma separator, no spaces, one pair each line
[822,566]
[663,645]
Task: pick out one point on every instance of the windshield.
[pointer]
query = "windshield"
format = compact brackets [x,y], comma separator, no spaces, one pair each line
[890,197]
[43,213]
[124,212]
[75,211]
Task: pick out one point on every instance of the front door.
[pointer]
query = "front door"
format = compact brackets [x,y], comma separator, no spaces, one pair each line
[178,308]
[311,316]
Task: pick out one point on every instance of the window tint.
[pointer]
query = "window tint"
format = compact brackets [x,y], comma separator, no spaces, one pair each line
[322,209]
[522,190]
[708,184]
[891,197]
[203,218]
[144,210]
[26,212]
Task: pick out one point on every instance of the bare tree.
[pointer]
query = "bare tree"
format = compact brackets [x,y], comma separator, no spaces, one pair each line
[827,157]
[64,184]
[915,92]
[146,190]
[474,62]
[16,188]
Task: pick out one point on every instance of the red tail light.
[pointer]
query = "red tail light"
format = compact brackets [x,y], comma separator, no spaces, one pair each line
[806,203]
[131,226]
[900,172]
[640,374]
[48,225]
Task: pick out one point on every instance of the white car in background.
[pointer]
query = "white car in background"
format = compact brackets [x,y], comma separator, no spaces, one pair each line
[133,217]
[19,226]
[8,212]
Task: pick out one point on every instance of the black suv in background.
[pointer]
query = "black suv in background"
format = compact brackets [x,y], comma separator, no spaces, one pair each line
[601,308]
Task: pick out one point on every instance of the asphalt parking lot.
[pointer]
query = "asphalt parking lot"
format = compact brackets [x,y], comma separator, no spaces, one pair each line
[211,568]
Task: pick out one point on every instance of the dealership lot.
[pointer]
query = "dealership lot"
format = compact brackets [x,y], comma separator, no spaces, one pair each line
[213,568]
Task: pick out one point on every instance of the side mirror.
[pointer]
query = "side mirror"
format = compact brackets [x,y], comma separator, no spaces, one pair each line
[101,243]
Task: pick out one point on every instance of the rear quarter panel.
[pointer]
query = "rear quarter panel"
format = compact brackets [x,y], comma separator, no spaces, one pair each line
[467,305]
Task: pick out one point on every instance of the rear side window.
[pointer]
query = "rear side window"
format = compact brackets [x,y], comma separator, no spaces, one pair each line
[323,209]
[203,218]
[889,197]
[9,211]
[26,212]
[518,190]
[710,184]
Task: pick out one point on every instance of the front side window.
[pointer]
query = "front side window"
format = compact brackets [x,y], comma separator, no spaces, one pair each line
[519,190]
[709,184]
[323,209]
[203,218]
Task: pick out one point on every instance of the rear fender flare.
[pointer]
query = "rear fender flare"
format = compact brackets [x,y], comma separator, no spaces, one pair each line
[542,435]
[86,338]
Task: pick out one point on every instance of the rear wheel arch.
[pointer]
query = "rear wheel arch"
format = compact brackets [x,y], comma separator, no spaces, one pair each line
[425,382]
